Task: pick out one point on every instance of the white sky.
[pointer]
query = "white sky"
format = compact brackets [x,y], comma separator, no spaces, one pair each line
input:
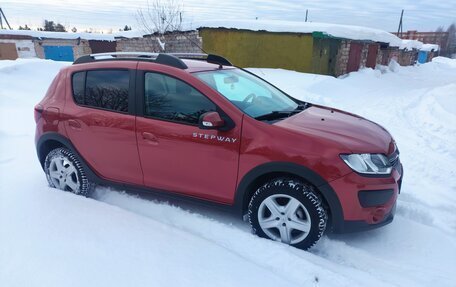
[102,14]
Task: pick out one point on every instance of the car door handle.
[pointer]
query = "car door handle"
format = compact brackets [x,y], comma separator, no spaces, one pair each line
[74,124]
[149,137]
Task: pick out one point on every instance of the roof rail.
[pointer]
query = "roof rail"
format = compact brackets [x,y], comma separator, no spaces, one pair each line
[159,58]
[210,58]
[169,59]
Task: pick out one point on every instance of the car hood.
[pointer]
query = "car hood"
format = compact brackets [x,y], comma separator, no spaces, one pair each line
[355,133]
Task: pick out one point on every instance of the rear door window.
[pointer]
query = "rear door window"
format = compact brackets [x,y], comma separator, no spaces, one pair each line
[103,89]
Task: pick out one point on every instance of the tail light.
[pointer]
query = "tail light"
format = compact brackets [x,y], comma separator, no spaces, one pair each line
[38,111]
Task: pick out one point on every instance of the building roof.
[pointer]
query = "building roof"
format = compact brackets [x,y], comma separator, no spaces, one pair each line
[418,45]
[16,34]
[411,44]
[430,47]
[332,30]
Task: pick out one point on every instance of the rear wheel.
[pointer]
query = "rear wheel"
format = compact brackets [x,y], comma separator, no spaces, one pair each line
[65,172]
[288,211]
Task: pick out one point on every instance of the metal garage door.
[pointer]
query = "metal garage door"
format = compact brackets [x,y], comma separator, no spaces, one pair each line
[102,46]
[354,57]
[59,53]
[422,57]
[372,56]
[8,51]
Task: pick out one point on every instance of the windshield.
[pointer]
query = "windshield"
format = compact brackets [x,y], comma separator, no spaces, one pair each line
[252,95]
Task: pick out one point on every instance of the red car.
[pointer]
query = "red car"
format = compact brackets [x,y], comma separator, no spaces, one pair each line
[194,125]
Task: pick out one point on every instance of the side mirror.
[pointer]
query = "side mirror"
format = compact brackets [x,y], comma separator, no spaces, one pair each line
[211,121]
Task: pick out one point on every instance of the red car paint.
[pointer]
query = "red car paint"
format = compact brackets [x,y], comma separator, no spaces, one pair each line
[213,164]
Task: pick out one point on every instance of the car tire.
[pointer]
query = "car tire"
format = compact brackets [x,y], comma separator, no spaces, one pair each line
[64,171]
[289,211]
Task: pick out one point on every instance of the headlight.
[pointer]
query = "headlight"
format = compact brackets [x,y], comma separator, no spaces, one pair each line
[368,163]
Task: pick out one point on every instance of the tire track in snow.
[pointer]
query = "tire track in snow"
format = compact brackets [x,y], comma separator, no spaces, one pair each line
[299,266]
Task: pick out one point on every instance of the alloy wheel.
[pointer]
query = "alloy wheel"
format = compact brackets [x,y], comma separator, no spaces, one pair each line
[63,174]
[284,218]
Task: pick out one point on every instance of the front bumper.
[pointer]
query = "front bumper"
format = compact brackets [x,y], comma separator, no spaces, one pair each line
[367,202]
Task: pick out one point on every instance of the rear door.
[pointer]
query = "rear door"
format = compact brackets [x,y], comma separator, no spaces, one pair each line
[175,154]
[100,121]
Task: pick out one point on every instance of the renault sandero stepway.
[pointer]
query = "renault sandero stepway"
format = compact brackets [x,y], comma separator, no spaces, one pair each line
[195,126]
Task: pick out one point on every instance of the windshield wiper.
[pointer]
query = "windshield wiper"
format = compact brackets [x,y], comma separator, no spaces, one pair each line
[282,114]
[275,115]
[302,107]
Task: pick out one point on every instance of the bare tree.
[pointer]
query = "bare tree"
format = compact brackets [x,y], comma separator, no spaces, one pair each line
[160,17]
[451,43]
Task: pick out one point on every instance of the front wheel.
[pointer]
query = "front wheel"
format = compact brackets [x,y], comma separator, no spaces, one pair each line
[289,211]
[65,172]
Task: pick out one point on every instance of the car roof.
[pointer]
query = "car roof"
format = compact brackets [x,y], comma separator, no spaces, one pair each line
[193,66]
[189,62]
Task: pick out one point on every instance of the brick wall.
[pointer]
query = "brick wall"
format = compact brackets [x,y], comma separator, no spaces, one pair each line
[407,58]
[185,42]
[440,38]
[379,56]
[80,47]
[364,53]
[342,58]
[25,48]
[388,54]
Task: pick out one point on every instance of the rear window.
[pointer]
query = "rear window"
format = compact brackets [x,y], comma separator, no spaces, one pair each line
[103,89]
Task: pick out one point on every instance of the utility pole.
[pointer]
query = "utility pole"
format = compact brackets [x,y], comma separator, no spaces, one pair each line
[307,13]
[4,17]
[399,29]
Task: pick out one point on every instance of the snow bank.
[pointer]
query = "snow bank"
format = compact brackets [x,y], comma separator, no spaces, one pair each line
[334,30]
[51,238]
[444,61]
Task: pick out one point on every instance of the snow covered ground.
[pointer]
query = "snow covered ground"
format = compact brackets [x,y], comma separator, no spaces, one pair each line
[51,238]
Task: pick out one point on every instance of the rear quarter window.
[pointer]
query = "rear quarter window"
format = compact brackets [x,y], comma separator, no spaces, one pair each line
[79,87]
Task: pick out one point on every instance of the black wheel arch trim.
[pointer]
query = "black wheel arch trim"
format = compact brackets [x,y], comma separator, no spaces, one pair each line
[53,136]
[243,191]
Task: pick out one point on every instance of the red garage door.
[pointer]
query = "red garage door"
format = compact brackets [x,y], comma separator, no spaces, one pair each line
[372,56]
[102,46]
[354,57]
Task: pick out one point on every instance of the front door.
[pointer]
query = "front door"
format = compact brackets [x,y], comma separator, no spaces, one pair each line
[175,154]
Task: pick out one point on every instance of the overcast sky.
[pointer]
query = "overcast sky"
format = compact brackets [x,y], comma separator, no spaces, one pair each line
[103,14]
